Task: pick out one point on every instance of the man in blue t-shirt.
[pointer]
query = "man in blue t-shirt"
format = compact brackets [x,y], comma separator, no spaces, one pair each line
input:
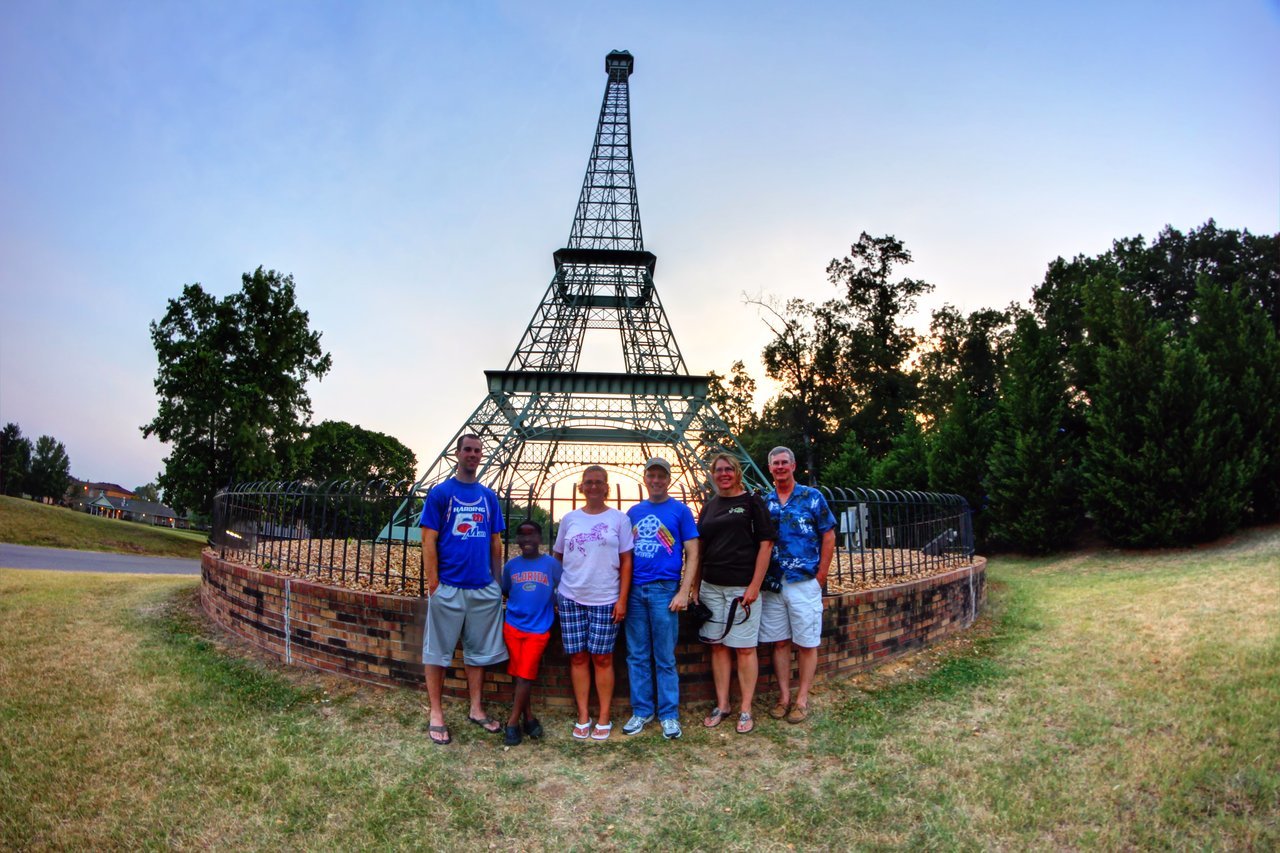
[801,557]
[461,550]
[665,540]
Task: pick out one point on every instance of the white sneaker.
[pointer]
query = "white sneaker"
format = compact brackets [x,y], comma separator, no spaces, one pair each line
[636,724]
[671,729]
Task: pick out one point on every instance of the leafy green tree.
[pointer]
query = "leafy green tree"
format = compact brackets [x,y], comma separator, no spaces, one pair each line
[231,384]
[962,352]
[337,450]
[15,460]
[1160,464]
[149,492]
[1033,479]
[877,343]
[805,358]
[50,469]
[734,397]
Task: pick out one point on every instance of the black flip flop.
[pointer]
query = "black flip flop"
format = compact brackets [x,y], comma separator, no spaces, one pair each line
[448,738]
[485,722]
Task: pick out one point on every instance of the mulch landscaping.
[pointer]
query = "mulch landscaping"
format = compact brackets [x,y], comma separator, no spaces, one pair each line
[394,568]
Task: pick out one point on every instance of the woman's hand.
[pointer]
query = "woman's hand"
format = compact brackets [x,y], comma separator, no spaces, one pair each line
[619,610]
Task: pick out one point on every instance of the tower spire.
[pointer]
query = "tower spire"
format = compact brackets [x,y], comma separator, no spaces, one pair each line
[544,417]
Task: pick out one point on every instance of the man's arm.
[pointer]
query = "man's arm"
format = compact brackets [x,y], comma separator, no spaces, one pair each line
[682,596]
[430,559]
[826,552]
[624,586]
[496,553]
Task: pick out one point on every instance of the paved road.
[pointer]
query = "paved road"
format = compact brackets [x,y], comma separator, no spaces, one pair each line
[66,560]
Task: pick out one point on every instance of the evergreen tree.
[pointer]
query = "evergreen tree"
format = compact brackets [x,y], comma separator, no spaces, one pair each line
[1234,334]
[906,465]
[851,466]
[1033,484]
[1159,466]
[957,455]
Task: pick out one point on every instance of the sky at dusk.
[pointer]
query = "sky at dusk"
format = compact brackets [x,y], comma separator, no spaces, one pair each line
[414,164]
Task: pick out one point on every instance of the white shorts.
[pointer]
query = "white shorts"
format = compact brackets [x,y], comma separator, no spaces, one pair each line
[794,614]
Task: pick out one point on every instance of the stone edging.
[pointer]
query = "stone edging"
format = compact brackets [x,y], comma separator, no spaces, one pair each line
[378,638]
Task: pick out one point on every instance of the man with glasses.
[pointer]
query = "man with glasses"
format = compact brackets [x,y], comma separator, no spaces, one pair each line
[664,545]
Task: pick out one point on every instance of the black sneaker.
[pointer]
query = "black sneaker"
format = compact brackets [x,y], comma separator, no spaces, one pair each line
[512,736]
[533,728]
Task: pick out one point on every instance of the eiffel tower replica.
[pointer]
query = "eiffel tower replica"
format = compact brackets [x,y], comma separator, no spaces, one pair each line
[544,417]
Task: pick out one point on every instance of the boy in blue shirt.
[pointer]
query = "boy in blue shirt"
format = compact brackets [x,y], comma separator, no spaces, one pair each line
[529,582]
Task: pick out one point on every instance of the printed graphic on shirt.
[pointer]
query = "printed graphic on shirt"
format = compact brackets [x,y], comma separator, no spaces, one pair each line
[468,519]
[652,535]
[529,580]
[580,542]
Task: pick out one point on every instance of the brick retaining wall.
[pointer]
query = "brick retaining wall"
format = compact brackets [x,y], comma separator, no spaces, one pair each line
[378,638]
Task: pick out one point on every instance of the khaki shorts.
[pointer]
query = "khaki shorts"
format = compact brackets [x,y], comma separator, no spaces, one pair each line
[794,614]
[743,634]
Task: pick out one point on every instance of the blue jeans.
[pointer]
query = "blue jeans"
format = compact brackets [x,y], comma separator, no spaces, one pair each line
[651,645]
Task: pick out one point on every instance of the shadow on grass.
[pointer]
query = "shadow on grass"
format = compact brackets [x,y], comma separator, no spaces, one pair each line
[213,678]
[859,716]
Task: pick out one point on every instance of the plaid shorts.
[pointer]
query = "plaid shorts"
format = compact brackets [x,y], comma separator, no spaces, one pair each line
[586,627]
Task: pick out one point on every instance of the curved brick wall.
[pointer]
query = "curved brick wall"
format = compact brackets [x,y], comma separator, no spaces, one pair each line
[378,638]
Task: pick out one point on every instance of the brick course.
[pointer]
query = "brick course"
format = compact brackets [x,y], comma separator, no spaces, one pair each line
[378,638]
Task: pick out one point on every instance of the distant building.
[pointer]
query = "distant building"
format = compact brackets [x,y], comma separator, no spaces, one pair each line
[112,501]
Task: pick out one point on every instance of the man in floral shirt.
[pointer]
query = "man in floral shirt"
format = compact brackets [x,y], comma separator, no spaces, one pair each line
[801,557]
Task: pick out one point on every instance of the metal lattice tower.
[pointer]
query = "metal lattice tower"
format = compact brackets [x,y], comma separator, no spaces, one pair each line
[544,417]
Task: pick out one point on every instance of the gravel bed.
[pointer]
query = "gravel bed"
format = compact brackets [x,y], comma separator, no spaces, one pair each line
[394,568]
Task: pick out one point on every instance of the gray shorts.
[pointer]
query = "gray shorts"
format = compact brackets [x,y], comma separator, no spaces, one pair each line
[743,634]
[473,614]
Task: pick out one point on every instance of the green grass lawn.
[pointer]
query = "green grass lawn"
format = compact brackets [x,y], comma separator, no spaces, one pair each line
[29,523]
[1107,700]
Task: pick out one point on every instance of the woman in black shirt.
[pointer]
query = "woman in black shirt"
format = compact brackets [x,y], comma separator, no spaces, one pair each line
[737,538]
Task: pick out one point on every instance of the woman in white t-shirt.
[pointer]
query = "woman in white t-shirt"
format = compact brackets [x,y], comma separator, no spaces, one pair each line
[594,546]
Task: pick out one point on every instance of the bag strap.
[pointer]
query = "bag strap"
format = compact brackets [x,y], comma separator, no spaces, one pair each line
[733,607]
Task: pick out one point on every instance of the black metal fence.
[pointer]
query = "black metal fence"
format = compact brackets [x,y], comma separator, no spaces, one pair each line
[365,535]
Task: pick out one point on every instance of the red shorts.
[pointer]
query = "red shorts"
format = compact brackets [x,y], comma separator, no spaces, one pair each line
[525,651]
